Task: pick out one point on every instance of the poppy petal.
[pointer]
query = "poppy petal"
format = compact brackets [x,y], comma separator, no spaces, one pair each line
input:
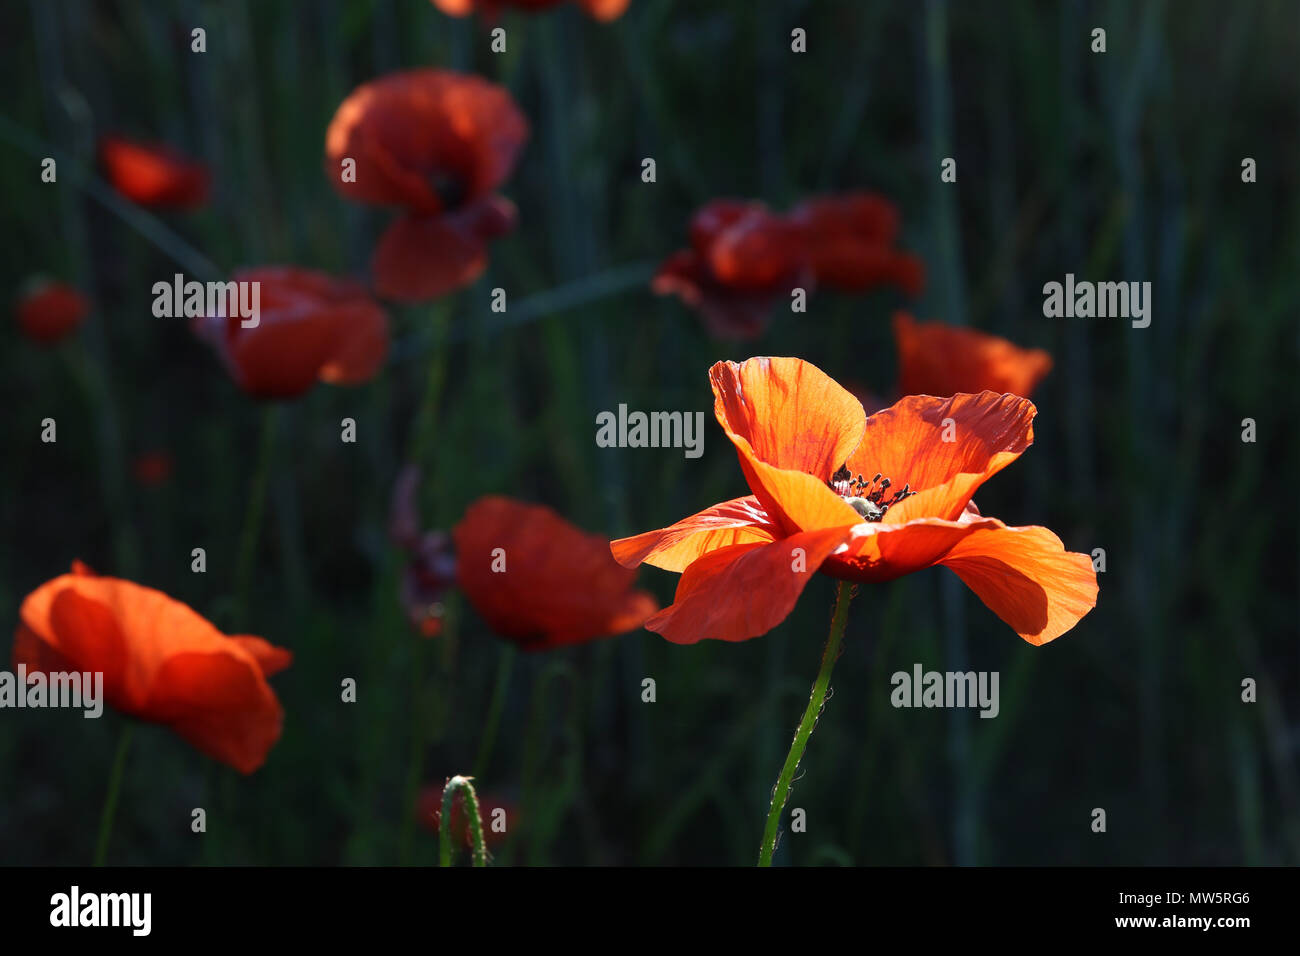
[1026,577]
[939,359]
[541,581]
[792,414]
[744,590]
[943,448]
[739,521]
[270,658]
[421,258]
[220,704]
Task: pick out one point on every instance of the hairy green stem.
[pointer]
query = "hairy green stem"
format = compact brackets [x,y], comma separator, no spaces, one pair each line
[781,792]
[446,834]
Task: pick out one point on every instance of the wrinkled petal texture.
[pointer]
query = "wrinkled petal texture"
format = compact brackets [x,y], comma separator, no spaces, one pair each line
[425,139]
[51,312]
[939,359]
[559,585]
[792,426]
[162,662]
[743,590]
[153,175]
[312,327]
[739,521]
[944,448]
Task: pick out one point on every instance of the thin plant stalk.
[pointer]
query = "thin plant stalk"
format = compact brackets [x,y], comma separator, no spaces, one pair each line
[831,653]
[110,798]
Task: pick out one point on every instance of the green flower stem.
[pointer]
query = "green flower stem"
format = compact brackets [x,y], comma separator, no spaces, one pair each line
[445,835]
[253,516]
[781,792]
[110,799]
[493,722]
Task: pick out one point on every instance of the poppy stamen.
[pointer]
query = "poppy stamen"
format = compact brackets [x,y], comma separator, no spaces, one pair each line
[868,498]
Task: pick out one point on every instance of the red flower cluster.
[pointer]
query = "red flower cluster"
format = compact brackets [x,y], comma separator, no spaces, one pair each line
[743,257]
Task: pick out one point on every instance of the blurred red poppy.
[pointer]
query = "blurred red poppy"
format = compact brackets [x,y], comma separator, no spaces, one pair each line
[152,468]
[743,258]
[50,311]
[161,662]
[153,174]
[850,243]
[939,359]
[437,144]
[805,446]
[600,9]
[310,327]
[541,582]
[496,815]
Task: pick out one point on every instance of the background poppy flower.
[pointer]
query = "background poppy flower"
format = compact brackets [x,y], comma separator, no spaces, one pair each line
[153,174]
[559,585]
[312,327]
[850,243]
[162,662]
[864,499]
[437,144]
[50,311]
[742,259]
[600,9]
[939,359]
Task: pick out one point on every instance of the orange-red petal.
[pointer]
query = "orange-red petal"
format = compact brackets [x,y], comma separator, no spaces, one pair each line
[421,258]
[1027,578]
[743,590]
[161,662]
[944,448]
[539,580]
[738,521]
[153,174]
[939,359]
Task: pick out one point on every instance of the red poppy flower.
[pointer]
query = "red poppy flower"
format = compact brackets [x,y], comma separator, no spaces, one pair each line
[541,582]
[161,662]
[600,9]
[437,144]
[939,359]
[153,174]
[807,450]
[310,327]
[50,311]
[743,258]
[428,813]
[152,468]
[851,243]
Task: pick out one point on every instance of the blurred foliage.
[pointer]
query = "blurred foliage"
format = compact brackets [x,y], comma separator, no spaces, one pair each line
[1123,166]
